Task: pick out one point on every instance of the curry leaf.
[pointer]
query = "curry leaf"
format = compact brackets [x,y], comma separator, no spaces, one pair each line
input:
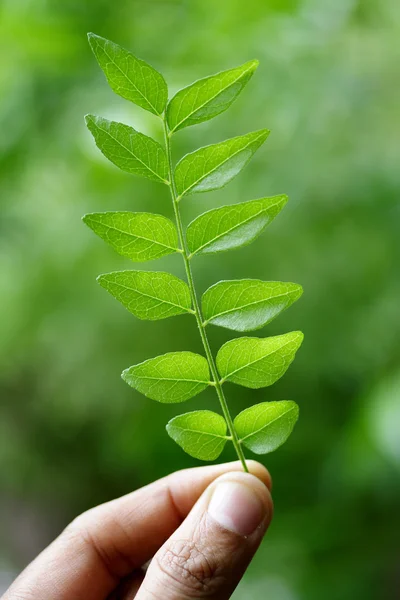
[230,227]
[138,236]
[241,305]
[208,97]
[264,427]
[171,378]
[257,362]
[200,433]
[212,167]
[247,304]
[130,77]
[148,295]
[128,149]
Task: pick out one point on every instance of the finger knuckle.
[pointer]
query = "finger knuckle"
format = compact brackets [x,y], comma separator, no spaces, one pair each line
[191,566]
[81,532]
[79,524]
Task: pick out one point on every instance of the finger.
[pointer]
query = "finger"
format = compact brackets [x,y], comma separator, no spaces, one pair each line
[128,587]
[109,542]
[207,556]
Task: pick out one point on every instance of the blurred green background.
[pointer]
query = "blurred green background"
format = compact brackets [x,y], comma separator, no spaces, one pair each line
[72,434]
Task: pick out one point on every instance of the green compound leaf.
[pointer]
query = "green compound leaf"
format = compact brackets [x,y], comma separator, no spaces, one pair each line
[240,305]
[171,378]
[139,236]
[257,362]
[264,427]
[247,304]
[208,97]
[231,227]
[130,77]
[201,433]
[148,295]
[128,149]
[212,167]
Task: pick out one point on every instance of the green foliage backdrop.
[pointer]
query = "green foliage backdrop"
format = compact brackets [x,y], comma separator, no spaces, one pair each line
[72,434]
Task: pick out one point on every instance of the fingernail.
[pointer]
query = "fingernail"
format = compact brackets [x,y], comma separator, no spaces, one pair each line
[235,506]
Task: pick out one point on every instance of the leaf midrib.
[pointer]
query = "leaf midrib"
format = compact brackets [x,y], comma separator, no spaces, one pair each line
[227,232]
[212,435]
[125,287]
[210,99]
[128,149]
[133,235]
[171,379]
[244,306]
[128,79]
[226,377]
[219,165]
[268,424]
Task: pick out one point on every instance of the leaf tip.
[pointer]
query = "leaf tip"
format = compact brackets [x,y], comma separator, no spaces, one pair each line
[284,199]
[254,64]
[124,374]
[101,279]
[260,136]
[296,409]
[298,337]
[89,119]
[92,39]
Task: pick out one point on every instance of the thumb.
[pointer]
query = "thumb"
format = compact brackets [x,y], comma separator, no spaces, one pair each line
[208,554]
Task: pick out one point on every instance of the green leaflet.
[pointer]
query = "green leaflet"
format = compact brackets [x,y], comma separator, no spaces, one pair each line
[257,362]
[171,378]
[208,97]
[128,149]
[247,304]
[264,427]
[212,167]
[139,236]
[130,77]
[148,295]
[233,226]
[201,433]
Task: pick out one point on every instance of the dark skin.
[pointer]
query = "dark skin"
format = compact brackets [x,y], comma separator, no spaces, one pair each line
[199,528]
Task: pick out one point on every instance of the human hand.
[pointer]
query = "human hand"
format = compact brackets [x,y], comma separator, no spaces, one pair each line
[201,528]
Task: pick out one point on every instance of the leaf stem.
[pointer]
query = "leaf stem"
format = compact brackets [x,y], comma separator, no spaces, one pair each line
[197,311]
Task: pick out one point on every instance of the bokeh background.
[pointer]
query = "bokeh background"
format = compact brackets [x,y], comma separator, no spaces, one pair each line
[72,434]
